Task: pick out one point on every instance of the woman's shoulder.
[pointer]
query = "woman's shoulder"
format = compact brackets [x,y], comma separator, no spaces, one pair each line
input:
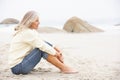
[28,34]
[28,31]
[31,32]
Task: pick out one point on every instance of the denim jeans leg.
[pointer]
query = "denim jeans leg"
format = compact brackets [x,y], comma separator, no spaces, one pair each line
[30,61]
[17,69]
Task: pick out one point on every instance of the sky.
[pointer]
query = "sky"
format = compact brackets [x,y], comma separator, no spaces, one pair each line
[57,12]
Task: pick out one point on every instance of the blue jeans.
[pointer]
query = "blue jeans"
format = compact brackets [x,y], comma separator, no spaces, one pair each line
[30,61]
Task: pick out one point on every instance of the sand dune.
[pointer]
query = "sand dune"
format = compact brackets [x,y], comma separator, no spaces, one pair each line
[50,30]
[95,55]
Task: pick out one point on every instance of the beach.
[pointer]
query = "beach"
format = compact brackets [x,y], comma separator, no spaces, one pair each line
[95,55]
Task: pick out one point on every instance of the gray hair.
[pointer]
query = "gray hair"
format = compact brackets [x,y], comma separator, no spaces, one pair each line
[27,20]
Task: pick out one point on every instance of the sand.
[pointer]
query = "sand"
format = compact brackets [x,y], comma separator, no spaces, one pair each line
[95,55]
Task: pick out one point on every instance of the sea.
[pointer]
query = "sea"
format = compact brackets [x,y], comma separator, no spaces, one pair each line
[105,27]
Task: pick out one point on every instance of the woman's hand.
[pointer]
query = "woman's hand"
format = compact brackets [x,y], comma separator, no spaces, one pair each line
[59,54]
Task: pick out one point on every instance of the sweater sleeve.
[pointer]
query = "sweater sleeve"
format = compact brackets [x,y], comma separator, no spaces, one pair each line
[33,39]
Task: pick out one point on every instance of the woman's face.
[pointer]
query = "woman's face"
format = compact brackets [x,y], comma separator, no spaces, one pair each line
[35,24]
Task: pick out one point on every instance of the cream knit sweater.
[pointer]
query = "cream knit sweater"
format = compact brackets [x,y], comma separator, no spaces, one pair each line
[24,42]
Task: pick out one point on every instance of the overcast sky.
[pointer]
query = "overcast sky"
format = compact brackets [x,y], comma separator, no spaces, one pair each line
[58,11]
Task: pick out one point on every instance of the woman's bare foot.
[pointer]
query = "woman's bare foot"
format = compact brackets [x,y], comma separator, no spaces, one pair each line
[68,70]
[64,68]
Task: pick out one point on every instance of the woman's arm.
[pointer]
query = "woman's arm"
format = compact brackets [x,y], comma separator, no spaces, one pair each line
[58,52]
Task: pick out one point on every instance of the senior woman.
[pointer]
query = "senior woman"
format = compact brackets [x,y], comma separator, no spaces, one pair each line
[27,48]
